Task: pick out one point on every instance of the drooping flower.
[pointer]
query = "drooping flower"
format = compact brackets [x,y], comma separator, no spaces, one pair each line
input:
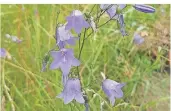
[112,89]
[76,21]
[3,53]
[144,8]
[138,39]
[64,59]
[72,90]
[122,25]
[64,36]
[110,9]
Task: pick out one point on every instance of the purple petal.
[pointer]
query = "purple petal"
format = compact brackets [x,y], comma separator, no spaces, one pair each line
[69,23]
[120,85]
[79,98]
[86,24]
[76,21]
[68,97]
[3,53]
[138,39]
[112,11]
[56,54]
[54,65]
[118,93]
[69,52]
[144,8]
[75,62]
[72,40]
[77,28]
[65,68]
[61,44]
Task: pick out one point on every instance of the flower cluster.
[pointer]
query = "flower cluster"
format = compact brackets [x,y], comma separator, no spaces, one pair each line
[65,60]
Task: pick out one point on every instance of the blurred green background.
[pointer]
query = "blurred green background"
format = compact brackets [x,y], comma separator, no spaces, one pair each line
[144,68]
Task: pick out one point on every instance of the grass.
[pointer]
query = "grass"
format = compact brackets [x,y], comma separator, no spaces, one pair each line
[143,71]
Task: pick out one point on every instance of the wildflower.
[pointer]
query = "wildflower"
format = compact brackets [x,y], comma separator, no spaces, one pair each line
[144,8]
[122,25]
[76,21]
[138,39]
[112,89]
[64,59]
[111,10]
[64,36]
[72,90]
[3,53]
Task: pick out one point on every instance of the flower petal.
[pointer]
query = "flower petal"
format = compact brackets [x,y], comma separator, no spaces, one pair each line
[72,40]
[3,53]
[79,98]
[56,54]
[54,65]
[120,85]
[68,97]
[118,93]
[65,67]
[75,62]
[144,8]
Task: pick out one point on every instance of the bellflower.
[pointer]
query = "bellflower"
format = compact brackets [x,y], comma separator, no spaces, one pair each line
[138,39]
[122,25]
[72,90]
[111,11]
[64,36]
[112,89]
[3,53]
[144,8]
[76,21]
[64,59]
